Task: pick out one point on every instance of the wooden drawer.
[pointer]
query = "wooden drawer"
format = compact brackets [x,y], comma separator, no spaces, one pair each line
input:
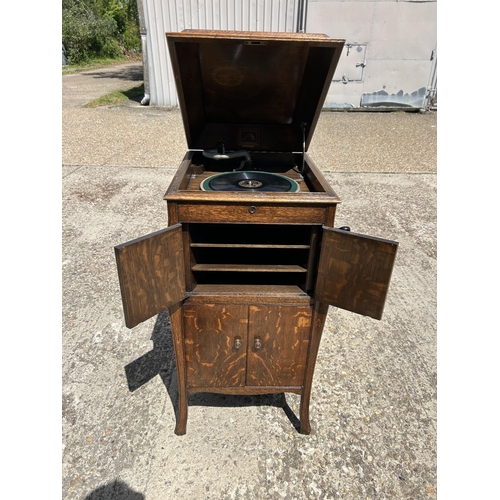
[265,214]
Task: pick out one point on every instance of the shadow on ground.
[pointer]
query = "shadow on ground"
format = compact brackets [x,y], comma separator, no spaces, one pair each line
[161,361]
[133,73]
[135,94]
[117,490]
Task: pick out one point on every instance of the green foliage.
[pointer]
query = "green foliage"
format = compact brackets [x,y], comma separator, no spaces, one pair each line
[99,28]
[116,11]
[131,37]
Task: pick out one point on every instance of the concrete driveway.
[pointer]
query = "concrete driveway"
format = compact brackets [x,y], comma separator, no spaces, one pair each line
[373,402]
[80,88]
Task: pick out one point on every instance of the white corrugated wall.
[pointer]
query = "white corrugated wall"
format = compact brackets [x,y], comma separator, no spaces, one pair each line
[388,60]
[390,52]
[161,16]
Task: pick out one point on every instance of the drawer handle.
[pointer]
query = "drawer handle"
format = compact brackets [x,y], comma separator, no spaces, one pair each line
[237,343]
[252,209]
[257,343]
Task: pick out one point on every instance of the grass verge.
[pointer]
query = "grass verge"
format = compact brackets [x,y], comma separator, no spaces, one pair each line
[132,94]
[90,66]
[100,63]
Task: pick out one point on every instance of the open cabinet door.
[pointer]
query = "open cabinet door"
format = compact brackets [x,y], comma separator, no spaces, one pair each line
[354,271]
[151,274]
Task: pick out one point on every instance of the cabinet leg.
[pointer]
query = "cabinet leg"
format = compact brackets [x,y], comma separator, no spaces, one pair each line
[177,325]
[180,426]
[318,322]
[305,425]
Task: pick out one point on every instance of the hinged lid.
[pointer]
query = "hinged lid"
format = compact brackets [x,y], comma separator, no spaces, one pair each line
[253,90]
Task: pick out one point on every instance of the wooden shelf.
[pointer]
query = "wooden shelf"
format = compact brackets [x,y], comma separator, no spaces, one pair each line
[249,245]
[254,290]
[249,268]
[248,294]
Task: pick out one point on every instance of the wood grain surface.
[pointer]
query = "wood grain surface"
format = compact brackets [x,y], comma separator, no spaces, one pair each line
[151,274]
[254,90]
[277,345]
[215,344]
[251,212]
[354,271]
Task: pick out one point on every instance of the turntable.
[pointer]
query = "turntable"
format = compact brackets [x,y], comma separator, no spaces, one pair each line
[250,180]
[250,260]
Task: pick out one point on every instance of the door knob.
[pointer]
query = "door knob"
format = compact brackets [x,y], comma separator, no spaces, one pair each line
[257,343]
[237,343]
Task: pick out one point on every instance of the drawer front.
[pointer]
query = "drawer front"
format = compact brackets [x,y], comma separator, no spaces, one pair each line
[265,214]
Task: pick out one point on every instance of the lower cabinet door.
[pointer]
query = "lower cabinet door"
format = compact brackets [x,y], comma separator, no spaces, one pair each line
[215,339]
[278,340]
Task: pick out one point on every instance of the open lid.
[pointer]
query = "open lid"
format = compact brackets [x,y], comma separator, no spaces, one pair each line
[252,90]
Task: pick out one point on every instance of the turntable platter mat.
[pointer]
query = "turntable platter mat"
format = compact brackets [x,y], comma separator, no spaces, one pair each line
[248,180]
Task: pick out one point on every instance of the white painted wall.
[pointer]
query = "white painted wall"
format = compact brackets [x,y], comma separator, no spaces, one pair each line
[398,41]
[389,62]
[161,16]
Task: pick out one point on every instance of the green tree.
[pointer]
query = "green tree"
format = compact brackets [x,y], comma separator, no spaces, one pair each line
[99,28]
[124,12]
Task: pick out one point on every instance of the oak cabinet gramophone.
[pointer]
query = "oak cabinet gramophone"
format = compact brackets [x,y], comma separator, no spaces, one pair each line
[250,261]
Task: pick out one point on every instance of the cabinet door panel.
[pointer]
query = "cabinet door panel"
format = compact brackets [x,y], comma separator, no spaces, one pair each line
[277,345]
[151,274]
[354,271]
[215,344]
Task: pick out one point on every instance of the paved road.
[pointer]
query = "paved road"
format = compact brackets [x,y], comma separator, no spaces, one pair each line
[80,88]
[373,403]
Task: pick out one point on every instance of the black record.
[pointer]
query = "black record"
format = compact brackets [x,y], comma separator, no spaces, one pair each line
[247,180]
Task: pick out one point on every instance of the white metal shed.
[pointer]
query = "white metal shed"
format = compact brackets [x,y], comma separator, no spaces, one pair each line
[389,60]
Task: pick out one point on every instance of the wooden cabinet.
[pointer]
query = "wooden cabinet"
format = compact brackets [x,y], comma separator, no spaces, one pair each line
[247,318]
[234,345]
[248,274]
